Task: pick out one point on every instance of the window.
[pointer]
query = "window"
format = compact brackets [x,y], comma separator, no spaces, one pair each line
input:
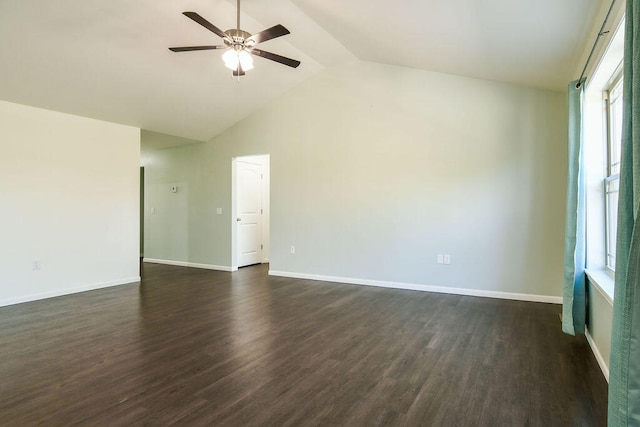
[602,128]
[613,98]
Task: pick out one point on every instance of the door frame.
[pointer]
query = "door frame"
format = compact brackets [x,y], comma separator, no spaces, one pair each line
[265,160]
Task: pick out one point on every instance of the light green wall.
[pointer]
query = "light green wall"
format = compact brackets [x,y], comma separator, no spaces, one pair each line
[375,170]
[185,226]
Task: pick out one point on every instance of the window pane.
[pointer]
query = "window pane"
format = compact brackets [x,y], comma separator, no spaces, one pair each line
[615,131]
[611,187]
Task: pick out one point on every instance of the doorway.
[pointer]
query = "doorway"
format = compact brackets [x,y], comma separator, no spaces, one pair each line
[141,212]
[250,208]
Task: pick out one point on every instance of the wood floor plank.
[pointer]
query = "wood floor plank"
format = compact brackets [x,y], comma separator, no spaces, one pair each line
[199,347]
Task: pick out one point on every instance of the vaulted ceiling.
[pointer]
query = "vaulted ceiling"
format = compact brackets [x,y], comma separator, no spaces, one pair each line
[108,59]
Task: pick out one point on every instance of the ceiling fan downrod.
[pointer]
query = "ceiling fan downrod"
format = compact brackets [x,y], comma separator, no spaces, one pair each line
[238,15]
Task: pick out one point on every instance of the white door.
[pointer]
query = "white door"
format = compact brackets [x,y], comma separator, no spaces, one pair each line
[249,209]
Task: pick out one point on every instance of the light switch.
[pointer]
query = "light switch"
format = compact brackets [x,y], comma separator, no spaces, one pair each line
[219,211]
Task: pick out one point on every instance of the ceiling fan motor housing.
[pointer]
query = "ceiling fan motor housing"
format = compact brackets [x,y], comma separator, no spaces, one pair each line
[236,36]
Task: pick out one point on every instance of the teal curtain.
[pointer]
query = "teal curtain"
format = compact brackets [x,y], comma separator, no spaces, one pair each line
[624,375]
[573,292]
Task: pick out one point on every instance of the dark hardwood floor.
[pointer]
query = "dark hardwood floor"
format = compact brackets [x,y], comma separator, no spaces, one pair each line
[198,347]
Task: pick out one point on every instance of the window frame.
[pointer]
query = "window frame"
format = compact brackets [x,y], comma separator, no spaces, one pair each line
[611,176]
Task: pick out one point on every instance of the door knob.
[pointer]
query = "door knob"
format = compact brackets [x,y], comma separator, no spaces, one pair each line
[238,219]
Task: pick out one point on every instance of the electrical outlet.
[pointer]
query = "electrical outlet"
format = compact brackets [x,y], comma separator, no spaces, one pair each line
[293,249]
[37,265]
[447,259]
[440,259]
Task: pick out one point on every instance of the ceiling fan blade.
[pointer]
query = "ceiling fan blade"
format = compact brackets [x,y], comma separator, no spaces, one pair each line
[272,56]
[189,48]
[208,25]
[268,34]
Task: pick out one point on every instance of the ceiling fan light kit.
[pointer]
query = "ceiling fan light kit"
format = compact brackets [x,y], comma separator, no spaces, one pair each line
[239,44]
[234,58]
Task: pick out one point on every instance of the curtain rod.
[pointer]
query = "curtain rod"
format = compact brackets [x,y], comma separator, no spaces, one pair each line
[600,34]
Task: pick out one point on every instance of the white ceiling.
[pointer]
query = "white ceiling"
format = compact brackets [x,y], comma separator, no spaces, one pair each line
[108,59]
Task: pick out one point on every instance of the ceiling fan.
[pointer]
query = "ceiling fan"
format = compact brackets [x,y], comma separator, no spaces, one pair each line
[239,44]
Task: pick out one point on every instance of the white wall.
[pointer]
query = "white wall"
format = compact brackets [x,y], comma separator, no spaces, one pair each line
[69,200]
[376,169]
[599,321]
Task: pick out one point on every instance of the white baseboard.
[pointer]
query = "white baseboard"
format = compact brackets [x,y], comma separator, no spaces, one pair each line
[596,353]
[68,291]
[189,264]
[424,288]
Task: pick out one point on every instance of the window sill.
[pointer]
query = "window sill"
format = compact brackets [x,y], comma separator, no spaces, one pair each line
[603,282]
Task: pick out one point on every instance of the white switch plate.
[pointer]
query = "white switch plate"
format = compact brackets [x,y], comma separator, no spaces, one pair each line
[440,259]
[293,249]
[447,259]
[153,210]
[219,211]
[37,265]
